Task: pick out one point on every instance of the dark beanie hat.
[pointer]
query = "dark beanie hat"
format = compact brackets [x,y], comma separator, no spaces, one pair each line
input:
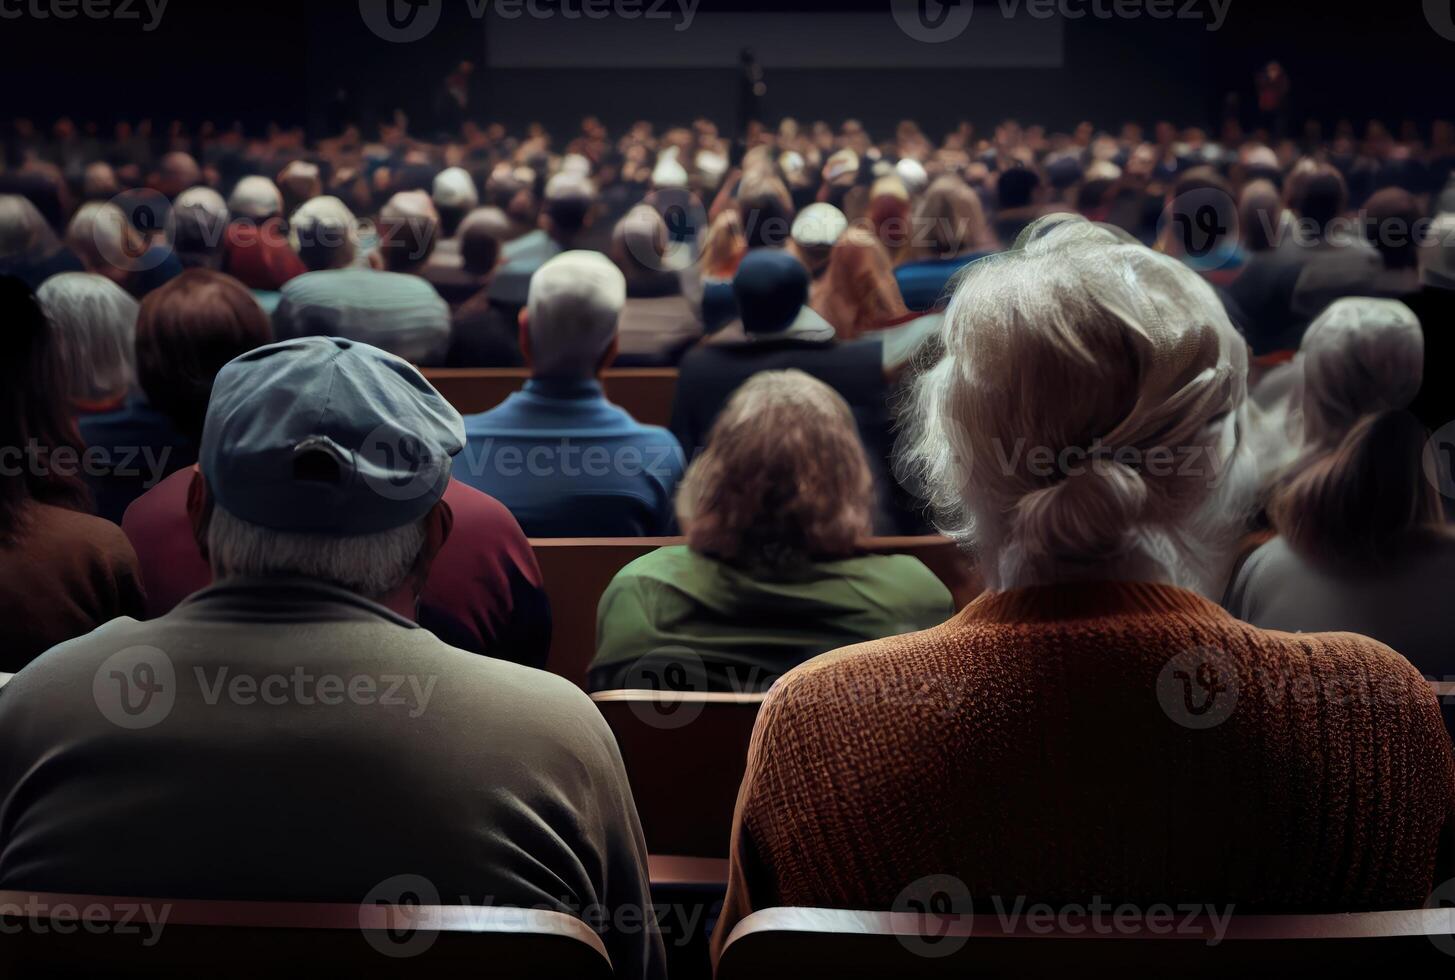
[771,287]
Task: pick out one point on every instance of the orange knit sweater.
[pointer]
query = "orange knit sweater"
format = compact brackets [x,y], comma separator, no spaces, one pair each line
[1040,744]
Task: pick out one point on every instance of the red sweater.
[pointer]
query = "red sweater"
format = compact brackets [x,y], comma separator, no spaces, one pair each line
[1039,745]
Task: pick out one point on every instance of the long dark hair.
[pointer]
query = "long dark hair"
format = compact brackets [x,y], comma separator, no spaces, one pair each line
[33,413]
[1358,503]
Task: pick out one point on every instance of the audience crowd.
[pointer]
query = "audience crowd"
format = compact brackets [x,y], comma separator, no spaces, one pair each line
[1178,396]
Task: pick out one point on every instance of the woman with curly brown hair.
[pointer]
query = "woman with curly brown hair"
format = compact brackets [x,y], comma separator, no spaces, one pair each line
[772,574]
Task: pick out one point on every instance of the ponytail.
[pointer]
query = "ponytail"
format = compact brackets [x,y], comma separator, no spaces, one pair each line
[1354,504]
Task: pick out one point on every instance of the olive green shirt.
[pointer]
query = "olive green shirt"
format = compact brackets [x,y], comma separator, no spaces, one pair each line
[675,619]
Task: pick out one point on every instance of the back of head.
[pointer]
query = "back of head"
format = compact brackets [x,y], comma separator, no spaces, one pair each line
[186,331]
[1392,218]
[103,239]
[177,172]
[1318,195]
[1016,188]
[1437,253]
[1359,357]
[409,226]
[200,220]
[949,220]
[766,209]
[570,200]
[324,233]
[575,300]
[256,199]
[771,288]
[1358,502]
[299,182]
[483,234]
[783,479]
[1260,216]
[323,459]
[23,229]
[1132,475]
[454,196]
[816,230]
[639,242]
[93,321]
[859,292]
[724,244]
[33,407]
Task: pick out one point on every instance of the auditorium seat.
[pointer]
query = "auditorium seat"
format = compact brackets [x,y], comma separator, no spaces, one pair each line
[685,755]
[788,943]
[576,572]
[645,393]
[250,939]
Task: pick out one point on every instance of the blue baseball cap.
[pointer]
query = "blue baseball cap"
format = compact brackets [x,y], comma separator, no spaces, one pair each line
[322,435]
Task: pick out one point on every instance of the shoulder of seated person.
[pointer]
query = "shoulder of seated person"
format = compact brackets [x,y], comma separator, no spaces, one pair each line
[79,530]
[860,661]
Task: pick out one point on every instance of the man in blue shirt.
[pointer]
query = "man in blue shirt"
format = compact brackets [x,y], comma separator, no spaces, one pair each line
[564,460]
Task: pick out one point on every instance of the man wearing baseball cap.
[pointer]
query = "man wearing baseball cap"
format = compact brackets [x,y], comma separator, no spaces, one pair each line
[289,733]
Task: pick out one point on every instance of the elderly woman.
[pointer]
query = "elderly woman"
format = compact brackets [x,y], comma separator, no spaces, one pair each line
[132,444]
[94,321]
[1083,433]
[772,573]
[29,250]
[1362,545]
[63,572]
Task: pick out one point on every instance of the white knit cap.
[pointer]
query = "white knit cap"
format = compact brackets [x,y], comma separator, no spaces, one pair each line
[455,189]
[819,225]
[256,198]
[912,172]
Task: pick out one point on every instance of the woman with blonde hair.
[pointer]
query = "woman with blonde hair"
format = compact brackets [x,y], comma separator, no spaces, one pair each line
[724,246]
[773,572]
[1083,433]
[1362,543]
[858,292]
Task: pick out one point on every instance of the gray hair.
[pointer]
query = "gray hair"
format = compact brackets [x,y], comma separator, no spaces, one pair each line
[371,565]
[102,237]
[23,229]
[93,321]
[575,300]
[1085,417]
[1361,356]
